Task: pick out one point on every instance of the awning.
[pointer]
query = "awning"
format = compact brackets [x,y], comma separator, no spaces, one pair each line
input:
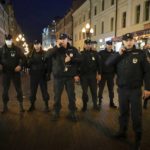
[145,33]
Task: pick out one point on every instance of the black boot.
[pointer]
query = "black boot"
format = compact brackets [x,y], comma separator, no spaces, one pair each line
[121,134]
[46,109]
[72,116]
[99,102]
[96,107]
[32,107]
[112,105]
[5,108]
[21,107]
[84,108]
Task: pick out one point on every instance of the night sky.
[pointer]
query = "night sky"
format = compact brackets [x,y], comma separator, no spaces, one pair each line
[34,15]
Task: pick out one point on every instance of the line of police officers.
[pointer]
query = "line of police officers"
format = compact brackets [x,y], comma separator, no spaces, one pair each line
[132,66]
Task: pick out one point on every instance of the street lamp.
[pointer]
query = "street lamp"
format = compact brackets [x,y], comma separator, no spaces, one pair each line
[88,30]
[22,43]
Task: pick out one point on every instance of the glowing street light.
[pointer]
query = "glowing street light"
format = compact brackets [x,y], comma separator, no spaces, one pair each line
[88,30]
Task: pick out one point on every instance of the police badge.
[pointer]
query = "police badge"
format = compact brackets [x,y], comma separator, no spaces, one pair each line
[12,54]
[135,60]
[93,58]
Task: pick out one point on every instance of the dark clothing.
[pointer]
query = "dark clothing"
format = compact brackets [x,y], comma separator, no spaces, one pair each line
[59,84]
[132,68]
[104,55]
[90,66]
[147,52]
[34,82]
[131,97]
[64,74]
[107,76]
[59,67]
[16,79]
[10,58]
[91,82]
[38,71]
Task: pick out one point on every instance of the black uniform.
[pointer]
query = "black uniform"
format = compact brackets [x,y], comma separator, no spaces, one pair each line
[89,68]
[39,69]
[64,74]
[9,59]
[132,68]
[147,51]
[107,75]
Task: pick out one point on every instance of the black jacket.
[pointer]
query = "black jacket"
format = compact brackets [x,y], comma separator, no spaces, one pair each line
[11,57]
[59,67]
[132,68]
[104,55]
[90,63]
[37,64]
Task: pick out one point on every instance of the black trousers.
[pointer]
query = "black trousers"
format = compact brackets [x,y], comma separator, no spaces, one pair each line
[35,81]
[59,84]
[130,100]
[109,78]
[91,82]
[16,79]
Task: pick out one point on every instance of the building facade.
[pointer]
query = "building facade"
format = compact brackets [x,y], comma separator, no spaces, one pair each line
[4,28]
[49,36]
[110,19]
[65,24]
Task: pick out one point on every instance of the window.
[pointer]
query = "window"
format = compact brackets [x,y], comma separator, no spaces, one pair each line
[103,5]
[112,24]
[147,10]
[94,30]
[95,10]
[138,14]
[112,2]
[124,20]
[102,27]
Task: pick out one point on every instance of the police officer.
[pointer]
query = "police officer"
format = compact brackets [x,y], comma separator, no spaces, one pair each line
[107,75]
[64,69]
[90,70]
[132,68]
[12,60]
[38,75]
[147,51]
